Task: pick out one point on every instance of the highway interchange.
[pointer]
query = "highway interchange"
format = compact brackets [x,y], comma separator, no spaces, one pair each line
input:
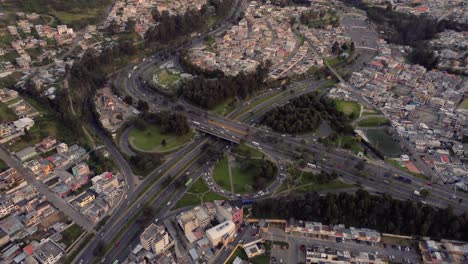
[159,189]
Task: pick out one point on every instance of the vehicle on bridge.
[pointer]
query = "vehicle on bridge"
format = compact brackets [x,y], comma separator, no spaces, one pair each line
[404,179]
[247,201]
[188,182]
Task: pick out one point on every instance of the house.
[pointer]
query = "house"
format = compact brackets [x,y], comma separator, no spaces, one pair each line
[34,166]
[253,247]
[62,29]
[81,169]
[23,123]
[48,252]
[404,158]
[26,154]
[62,148]
[86,198]
[4,238]
[47,144]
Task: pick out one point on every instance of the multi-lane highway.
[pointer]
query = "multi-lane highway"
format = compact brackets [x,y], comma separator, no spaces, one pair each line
[234,130]
[157,193]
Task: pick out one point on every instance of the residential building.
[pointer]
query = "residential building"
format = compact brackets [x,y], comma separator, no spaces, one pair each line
[26,154]
[227,211]
[86,198]
[187,221]
[81,170]
[155,238]
[48,252]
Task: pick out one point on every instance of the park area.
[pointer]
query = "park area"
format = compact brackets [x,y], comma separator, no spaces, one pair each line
[77,14]
[302,181]
[381,140]
[6,114]
[234,175]
[150,139]
[198,194]
[464,104]
[373,121]
[350,109]
[166,78]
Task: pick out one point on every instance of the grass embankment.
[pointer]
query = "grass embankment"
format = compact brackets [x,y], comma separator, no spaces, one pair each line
[152,140]
[197,194]
[167,78]
[373,121]
[225,108]
[6,114]
[305,181]
[349,108]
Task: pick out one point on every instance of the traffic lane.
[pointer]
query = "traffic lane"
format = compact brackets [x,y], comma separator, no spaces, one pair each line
[57,202]
[403,192]
[196,171]
[123,247]
[180,172]
[124,213]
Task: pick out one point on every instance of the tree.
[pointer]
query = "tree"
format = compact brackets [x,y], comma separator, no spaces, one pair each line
[163,142]
[100,248]
[142,106]
[360,165]
[128,99]
[425,193]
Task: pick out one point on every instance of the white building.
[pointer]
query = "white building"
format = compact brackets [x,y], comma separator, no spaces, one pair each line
[222,233]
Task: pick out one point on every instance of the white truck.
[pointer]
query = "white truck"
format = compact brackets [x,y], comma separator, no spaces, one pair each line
[417,193]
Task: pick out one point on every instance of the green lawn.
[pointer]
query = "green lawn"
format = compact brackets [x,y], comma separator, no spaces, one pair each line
[348,108]
[373,121]
[304,181]
[464,104]
[71,234]
[197,194]
[47,124]
[221,174]
[6,114]
[244,150]
[3,166]
[243,180]
[315,187]
[77,18]
[383,141]
[150,139]
[225,108]
[166,78]
[348,142]
[396,164]
[14,101]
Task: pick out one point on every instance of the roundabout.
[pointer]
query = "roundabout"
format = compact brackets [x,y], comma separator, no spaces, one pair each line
[243,171]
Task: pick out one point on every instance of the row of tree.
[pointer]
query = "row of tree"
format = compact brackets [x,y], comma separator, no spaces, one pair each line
[304,114]
[208,93]
[319,18]
[364,210]
[284,3]
[170,26]
[168,122]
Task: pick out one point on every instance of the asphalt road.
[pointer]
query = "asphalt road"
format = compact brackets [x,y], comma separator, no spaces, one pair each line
[231,130]
[56,201]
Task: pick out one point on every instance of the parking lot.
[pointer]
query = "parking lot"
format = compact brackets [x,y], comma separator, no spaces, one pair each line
[297,244]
